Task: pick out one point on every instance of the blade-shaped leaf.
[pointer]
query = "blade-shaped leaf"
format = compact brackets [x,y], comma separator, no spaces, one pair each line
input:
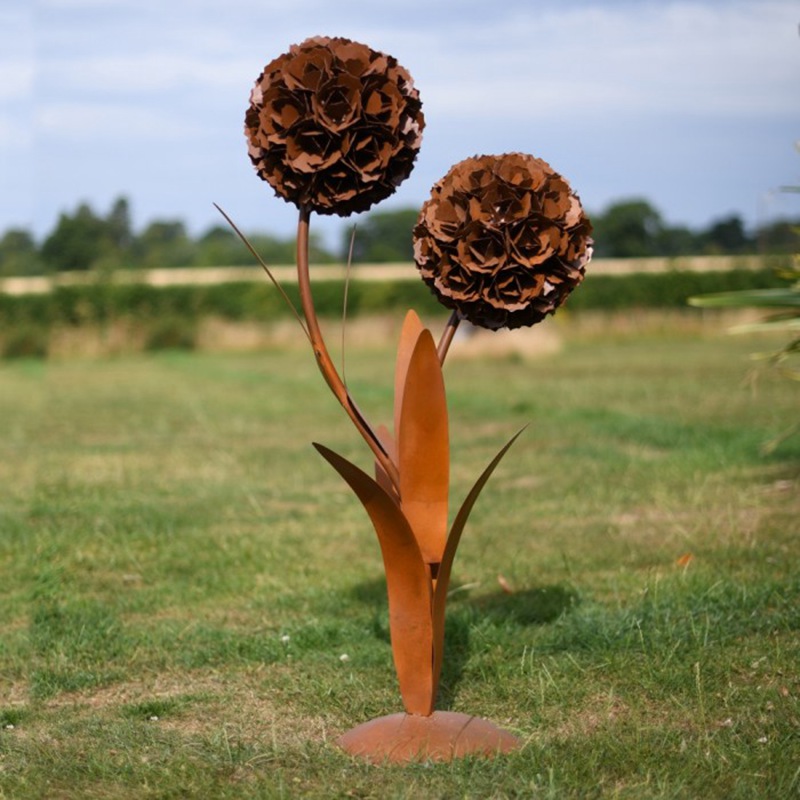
[412,328]
[443,578]
[781,323]
[407,584]
[423,449]
[761,298]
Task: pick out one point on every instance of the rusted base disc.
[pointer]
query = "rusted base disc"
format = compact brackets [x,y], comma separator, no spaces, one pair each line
[442,736]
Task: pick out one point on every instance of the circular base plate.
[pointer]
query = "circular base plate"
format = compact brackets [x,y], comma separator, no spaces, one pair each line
[442,736]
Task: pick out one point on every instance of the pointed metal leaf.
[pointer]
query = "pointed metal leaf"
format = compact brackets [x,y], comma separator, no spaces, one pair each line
[407,585]
[412,328]
[443,578]
[423,450]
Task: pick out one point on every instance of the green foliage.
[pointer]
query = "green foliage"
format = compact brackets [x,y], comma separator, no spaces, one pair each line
[164,243]
[103,301]
[627,229]
[661,290]
[84,239]
[19,254]
[283,251]
[219,245]
[674,241]
[78,242]
[118,226]
[382,237]
[633,228]
[726,236]
[779,237]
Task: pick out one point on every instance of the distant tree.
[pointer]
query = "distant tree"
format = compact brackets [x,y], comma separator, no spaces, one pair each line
[19,254]
[284,251]
[627,229]
[164,243]
[118,224]
[779,237]
[78,241]
[383,236]
[676,241]
[726,236]
[85,240]
[219,246]
[273,250]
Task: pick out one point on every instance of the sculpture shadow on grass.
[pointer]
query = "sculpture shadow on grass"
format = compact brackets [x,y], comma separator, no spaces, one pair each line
[521,608]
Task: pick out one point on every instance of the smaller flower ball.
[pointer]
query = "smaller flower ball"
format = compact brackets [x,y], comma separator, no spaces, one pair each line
[334,126]
[503,240]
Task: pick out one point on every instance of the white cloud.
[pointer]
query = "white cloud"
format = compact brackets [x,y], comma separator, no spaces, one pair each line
[145,73]
[740,59]
[106,122]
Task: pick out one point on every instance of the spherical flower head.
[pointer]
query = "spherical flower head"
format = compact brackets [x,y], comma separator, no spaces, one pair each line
[334,126]
[503,240]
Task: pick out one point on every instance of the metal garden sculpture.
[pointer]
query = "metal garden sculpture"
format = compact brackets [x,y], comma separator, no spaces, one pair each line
[334,127]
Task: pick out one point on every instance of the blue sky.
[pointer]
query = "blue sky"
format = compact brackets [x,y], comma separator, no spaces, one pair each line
[693,104]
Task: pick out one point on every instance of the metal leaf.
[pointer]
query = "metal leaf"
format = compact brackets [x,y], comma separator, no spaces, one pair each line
[410,333]
[443,578]
[423,449]
[407,585]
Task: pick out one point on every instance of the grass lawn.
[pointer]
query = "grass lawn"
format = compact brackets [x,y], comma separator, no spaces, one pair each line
[192,605]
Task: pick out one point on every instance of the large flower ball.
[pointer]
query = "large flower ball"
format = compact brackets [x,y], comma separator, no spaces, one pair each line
[503,240]
[334,126]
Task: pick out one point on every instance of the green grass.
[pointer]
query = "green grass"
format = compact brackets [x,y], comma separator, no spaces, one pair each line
[181,574]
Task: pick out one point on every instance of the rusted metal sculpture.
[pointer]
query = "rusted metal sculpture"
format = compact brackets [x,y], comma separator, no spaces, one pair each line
[334,127]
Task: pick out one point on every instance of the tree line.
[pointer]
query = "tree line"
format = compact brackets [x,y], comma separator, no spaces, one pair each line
[84,239]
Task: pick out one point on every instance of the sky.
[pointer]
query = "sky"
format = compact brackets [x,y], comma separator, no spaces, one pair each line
[693,105]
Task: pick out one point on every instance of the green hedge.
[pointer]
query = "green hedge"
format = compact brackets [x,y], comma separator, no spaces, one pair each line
[665,289]
[104,302]
[76,305]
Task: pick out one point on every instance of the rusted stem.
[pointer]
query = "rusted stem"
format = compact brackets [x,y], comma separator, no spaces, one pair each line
[447,336]
[324,361]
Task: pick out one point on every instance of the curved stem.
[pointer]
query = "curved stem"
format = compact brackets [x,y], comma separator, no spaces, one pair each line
[447,336]
[324,362]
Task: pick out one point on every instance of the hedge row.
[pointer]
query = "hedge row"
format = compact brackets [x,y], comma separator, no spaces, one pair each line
[665,289]
[104,302]
[100,303]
